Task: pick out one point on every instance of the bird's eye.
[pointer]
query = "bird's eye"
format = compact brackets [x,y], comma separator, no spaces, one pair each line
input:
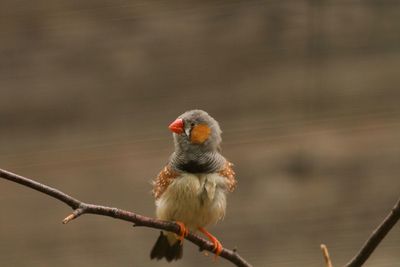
[192,125]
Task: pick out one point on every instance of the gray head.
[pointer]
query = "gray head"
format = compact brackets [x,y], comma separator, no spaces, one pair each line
[196,131]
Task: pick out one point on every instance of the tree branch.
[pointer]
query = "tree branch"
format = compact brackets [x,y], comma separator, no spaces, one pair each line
[80,208]
[376,237]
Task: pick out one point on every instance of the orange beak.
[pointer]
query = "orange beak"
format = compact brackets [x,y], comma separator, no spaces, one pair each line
[176,126]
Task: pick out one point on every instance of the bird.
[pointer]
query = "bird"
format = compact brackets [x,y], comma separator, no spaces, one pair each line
[192,188]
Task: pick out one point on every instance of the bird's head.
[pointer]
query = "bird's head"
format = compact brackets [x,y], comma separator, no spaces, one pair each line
[196,130]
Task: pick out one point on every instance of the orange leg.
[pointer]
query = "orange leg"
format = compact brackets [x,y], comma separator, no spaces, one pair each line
[217,245]
[183,232]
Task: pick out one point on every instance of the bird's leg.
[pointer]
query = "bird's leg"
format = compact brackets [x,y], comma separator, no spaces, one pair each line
[183,231]
[217,245]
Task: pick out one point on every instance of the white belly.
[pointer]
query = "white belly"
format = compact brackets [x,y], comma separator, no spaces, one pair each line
[195,200]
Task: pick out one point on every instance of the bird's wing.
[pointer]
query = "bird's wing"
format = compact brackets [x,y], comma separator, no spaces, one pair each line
[229,175]
[163,180]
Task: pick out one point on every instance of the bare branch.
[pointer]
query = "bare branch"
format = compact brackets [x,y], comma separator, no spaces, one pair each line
[327,258]
[376,237]
[80,208]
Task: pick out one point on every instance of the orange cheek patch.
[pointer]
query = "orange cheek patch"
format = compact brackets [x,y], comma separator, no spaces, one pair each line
[200,133]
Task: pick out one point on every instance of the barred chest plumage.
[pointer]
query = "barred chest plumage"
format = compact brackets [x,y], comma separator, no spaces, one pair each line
[196,200]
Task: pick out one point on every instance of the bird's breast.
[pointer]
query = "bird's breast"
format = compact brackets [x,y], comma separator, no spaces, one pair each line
[195,199]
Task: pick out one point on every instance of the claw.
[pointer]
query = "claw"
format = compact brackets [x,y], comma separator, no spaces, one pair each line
[183,231]
[217,245]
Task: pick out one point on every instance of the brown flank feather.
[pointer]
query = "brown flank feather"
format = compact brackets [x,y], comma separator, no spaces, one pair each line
[163,180]
[229,174]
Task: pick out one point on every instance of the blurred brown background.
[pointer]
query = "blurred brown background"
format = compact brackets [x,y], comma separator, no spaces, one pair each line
[307,93]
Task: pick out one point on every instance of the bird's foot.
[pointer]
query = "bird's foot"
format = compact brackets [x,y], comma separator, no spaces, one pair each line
[183,231]
[217,245]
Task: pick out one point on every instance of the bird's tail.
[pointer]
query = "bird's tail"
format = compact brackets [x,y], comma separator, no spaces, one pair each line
[167,246]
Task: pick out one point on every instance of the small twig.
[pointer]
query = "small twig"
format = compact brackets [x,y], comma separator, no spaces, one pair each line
[78,212]
[327,258]
[80,208]
[376,237]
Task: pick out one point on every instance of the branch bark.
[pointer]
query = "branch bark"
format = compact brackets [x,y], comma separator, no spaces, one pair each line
[376,237]
[80,208]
